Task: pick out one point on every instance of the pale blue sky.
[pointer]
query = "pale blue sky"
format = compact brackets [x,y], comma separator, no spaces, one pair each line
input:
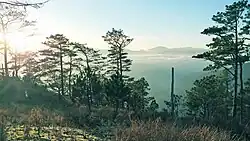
[170,23]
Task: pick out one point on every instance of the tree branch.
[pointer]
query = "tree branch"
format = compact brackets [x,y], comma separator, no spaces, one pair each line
[23,4]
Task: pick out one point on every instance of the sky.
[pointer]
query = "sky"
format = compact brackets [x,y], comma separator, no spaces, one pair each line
[152,23]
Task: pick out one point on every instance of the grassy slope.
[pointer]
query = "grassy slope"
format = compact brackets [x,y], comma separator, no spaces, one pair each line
[41,109]
[51,113]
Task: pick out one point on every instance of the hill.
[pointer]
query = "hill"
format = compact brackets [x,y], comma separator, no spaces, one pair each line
[17,93]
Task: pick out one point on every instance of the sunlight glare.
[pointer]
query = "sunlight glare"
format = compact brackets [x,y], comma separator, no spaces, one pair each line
[16,41]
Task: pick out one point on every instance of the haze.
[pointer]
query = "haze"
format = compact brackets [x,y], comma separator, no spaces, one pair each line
[152,23]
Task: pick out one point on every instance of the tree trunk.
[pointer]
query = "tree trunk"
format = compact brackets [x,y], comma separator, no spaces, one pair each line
[89,94]
[70,73]
[62,81]
[172,95]
[59,94]
[3,71]
[241,92]
[16,69]
[5,50]
[236,71]
[120,62]
[6,58]
[227,91]
[89,102]
[116,107]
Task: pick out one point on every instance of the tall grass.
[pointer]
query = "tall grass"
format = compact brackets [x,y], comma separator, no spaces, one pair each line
[158,131]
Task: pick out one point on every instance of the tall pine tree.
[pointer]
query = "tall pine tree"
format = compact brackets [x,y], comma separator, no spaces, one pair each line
[227,49]
[119,63]
[58,45]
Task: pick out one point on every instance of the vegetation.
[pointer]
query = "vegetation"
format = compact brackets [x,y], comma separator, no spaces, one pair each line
[155,130]
[69,91]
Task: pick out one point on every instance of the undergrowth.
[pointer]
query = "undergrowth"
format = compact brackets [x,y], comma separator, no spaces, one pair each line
[158,131]
[40,123]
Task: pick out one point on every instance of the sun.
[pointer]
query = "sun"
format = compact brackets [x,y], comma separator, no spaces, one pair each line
[16,42]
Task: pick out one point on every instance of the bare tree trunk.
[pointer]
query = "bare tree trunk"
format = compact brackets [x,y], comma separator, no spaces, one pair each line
[172,95]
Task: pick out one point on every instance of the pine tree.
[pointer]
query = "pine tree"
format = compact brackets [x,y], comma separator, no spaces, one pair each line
[71,66]
[118,63]
[90,66]
[58,45]
[206,99]
[117,57]
[19,60]
[30,67]
[227,48]
[139,98]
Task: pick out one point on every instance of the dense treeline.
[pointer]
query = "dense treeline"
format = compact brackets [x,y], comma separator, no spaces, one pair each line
[83,75]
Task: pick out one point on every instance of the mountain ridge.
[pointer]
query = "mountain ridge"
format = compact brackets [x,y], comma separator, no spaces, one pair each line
[163,50]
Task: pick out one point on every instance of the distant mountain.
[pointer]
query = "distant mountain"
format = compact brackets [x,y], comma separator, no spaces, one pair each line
[183,50]
[164,50]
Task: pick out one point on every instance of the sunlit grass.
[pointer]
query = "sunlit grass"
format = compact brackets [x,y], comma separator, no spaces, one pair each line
[21,132]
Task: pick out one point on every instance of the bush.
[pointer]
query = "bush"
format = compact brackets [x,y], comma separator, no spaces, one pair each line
[158,131]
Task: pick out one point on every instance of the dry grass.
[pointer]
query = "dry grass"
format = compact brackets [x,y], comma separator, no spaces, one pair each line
[39,123]
[158,131]
[40,116]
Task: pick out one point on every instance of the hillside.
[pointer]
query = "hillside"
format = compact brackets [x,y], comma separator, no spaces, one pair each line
[16,93]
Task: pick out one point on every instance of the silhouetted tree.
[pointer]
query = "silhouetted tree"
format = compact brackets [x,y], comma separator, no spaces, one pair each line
[207,99]
[11,18]
[17,61]
[176,103]
[116,91]
[247,99]
[72,63]
[139,98]
[153,107]
[118,63]
[227,48]
[30,65]
[53,56]
[90,67]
